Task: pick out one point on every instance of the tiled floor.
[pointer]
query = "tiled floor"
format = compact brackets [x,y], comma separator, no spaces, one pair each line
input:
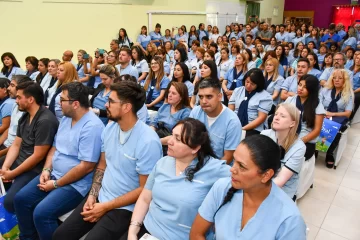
[332,208]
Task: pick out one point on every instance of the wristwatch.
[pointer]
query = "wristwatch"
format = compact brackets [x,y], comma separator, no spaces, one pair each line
[55,184]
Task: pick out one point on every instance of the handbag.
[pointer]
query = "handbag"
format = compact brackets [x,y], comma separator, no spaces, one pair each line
[8,223]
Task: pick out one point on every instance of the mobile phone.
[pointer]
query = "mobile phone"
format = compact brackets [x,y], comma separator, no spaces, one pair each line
[101,51]
[148,237]
[85,56]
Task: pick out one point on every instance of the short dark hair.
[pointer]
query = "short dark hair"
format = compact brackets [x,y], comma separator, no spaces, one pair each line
[4,82]
[33,61]
[304,60]
[32,89]
[130,92]
[210,83]
[20,78]
[77,92]
[257,77]
[205,38]
[158,25]
[125,77]
[127,50]
[196,42]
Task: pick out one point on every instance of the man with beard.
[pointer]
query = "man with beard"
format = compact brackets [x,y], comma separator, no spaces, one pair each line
[34,137]
[223,124]
[8,137]
[129,151]
[290,85]
[338,63]
[124,66]
[67,174]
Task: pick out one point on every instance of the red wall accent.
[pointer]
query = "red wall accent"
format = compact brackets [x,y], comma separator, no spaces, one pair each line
[322,9]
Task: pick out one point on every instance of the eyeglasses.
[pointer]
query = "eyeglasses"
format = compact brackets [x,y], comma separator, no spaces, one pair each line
[110,101]
[111,56]
[154,63]
[337,59]
[66,100]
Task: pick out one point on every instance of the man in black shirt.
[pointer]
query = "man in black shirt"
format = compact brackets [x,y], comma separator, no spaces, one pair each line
[35,135]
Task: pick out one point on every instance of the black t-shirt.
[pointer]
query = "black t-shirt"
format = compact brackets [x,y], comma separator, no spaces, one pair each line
[41,131]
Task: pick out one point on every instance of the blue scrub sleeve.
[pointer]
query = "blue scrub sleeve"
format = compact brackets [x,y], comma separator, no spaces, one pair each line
[148,155]
[265,105]
[350,104]
[278,84]
[292,228]
[6,109]
[164,83]
[90,142]
[151,179]
[296,160]
[325,75]
[286,84]
[233,134]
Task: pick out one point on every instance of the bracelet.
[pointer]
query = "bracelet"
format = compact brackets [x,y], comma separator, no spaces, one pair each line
[136,223]
[55,184]
[47,169]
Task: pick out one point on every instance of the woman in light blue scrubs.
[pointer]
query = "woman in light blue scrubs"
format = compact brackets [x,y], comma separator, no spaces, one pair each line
[143,38]
[193,35]
[273,81]
[181,74]
[6,105]
[314,68]
[100,95]
[177,108]
[169,52]
[32,67]
[283,132]
[80,67]
[249,205]
[251,102]
[10,66]
[156,84]
[138,60]
[167,36]
[123,39]
[177,185]
[43,70]
[180,35]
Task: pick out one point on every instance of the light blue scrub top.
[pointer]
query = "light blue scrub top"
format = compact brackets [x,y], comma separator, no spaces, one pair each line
[304,129]
[351,41]
[328,71]
[155,36]
[295,40]
[16,114]
[156,92]
[290,84]
[58,109]
[164,115]
[237,36]
[191,39]
[315,72]
[321,59]
[170,56]
[191,55]
[281,37]
[99,103]
[143,114]
[275,86]
[261,101]
[325,98]
[81,72]
[166,68]
[141,67]
[143,40]
[6,108]
[80,142]
[229,76]
[125,162]
[34,75]
[178,37]
[167,39]
[201,35]
[293,160]
[129,69]
[276,218]
[190,88]
[356,81]
[225,132]
[15,71]
[175,200]
[349,63]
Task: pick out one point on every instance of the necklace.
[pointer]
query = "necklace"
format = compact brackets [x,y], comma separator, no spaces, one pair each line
[181,171]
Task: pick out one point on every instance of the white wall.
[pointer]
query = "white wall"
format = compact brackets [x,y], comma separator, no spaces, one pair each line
[267,10]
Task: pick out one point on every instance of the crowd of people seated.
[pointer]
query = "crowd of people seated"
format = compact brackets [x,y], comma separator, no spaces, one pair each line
[171,135]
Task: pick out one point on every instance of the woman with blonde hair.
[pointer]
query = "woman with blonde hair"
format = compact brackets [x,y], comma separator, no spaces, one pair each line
[338,99]
[273,80]
[283,132]
[66,73]
[156,84]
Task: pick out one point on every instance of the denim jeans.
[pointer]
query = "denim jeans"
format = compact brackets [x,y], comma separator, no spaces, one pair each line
[38,211]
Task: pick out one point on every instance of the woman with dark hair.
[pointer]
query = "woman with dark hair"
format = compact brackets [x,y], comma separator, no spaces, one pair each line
[311,112]
[235,50]
[156,35]
[227,31]
[10,66]
[304,53]
[298,38]
[180,55]
[314,68]
[258,208]
[281,57]
[162,53]
[255,57]
[181,74]
[143,39]
[138,60]
[312,47]
[165,209]
[181,35]
[224,63]
[193,35]
[251,102]
[176,109]
[338,100]
[156,84]
[169,52]
[43,70]
[124,40]
[100,95]
[32,67]
[6,105]
[272,45]
[208,70]
[349,58]
[313,37]
[328,61]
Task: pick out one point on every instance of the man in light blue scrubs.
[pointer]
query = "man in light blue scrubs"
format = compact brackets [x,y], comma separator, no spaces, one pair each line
[202,33]
[223,124]
[124,66]
[67,174]
[130,150]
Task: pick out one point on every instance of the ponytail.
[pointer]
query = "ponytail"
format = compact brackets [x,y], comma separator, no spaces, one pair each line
[228,197]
